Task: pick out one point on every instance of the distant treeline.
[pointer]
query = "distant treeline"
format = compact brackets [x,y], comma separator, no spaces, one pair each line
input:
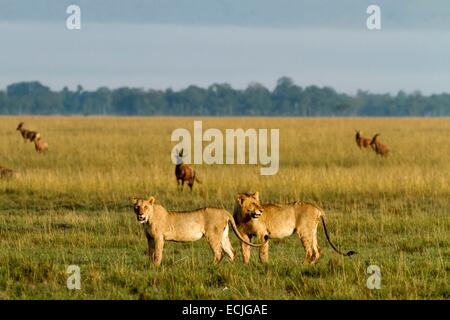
[286,99]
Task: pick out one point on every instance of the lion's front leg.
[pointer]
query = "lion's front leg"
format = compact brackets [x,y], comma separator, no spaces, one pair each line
[246,248]
[264,249]
[159,245]
[151,249]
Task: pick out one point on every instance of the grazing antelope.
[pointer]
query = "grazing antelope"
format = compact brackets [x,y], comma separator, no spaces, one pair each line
[184,172]
[40,145]
[379,148]
[6,173]
[27,134]
[361,141]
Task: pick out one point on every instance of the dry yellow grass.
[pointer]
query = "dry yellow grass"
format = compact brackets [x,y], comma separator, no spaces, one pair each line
[70,206]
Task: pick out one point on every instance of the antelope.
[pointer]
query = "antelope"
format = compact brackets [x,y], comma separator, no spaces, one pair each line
[379,148]
[361,141]
[40,145]
[27,134]
[6,173]
[184,172]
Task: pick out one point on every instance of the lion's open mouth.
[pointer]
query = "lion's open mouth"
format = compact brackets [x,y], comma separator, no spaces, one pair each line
[255,215]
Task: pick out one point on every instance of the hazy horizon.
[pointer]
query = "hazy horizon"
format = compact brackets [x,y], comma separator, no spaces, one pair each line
[170,44]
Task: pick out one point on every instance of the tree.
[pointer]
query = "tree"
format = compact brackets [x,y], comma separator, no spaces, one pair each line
[286,99]
[22,89]
[3,103]
[222,99]
[256,100]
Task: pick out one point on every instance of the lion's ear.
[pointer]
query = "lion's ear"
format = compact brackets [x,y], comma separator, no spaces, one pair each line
[256,195]
[133,200]
[151,200]
[240,199]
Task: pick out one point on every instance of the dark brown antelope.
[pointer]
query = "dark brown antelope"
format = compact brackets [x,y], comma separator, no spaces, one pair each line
[361,141]
[7,174]
[379,148]
[40,145]
[184,172]
[27,134]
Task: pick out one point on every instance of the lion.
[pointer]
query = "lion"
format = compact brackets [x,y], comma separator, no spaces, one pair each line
[276,221]
[161,225]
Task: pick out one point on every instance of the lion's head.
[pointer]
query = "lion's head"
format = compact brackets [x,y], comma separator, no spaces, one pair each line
[143,208]
[250,205]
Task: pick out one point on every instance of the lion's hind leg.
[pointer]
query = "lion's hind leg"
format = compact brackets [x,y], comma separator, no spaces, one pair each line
[310,244]
[226,244]
[316,249]
[215,242]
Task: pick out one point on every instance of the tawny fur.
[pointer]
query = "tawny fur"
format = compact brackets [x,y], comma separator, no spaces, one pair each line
[27,134]
[361,142]
[161,225]
[379,148]
[279,221]
[40,145]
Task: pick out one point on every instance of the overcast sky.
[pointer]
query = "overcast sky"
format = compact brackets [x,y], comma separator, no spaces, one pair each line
[175,43]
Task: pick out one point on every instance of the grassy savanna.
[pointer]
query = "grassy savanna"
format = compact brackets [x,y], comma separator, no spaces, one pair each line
[71,206]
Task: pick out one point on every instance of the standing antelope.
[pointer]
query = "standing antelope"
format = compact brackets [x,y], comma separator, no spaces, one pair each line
[184,172]
[379,148]
[7,174]
[27,134]
[361,141]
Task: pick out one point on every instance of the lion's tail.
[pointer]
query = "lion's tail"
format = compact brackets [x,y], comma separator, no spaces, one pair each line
[236,231]
[348,254]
